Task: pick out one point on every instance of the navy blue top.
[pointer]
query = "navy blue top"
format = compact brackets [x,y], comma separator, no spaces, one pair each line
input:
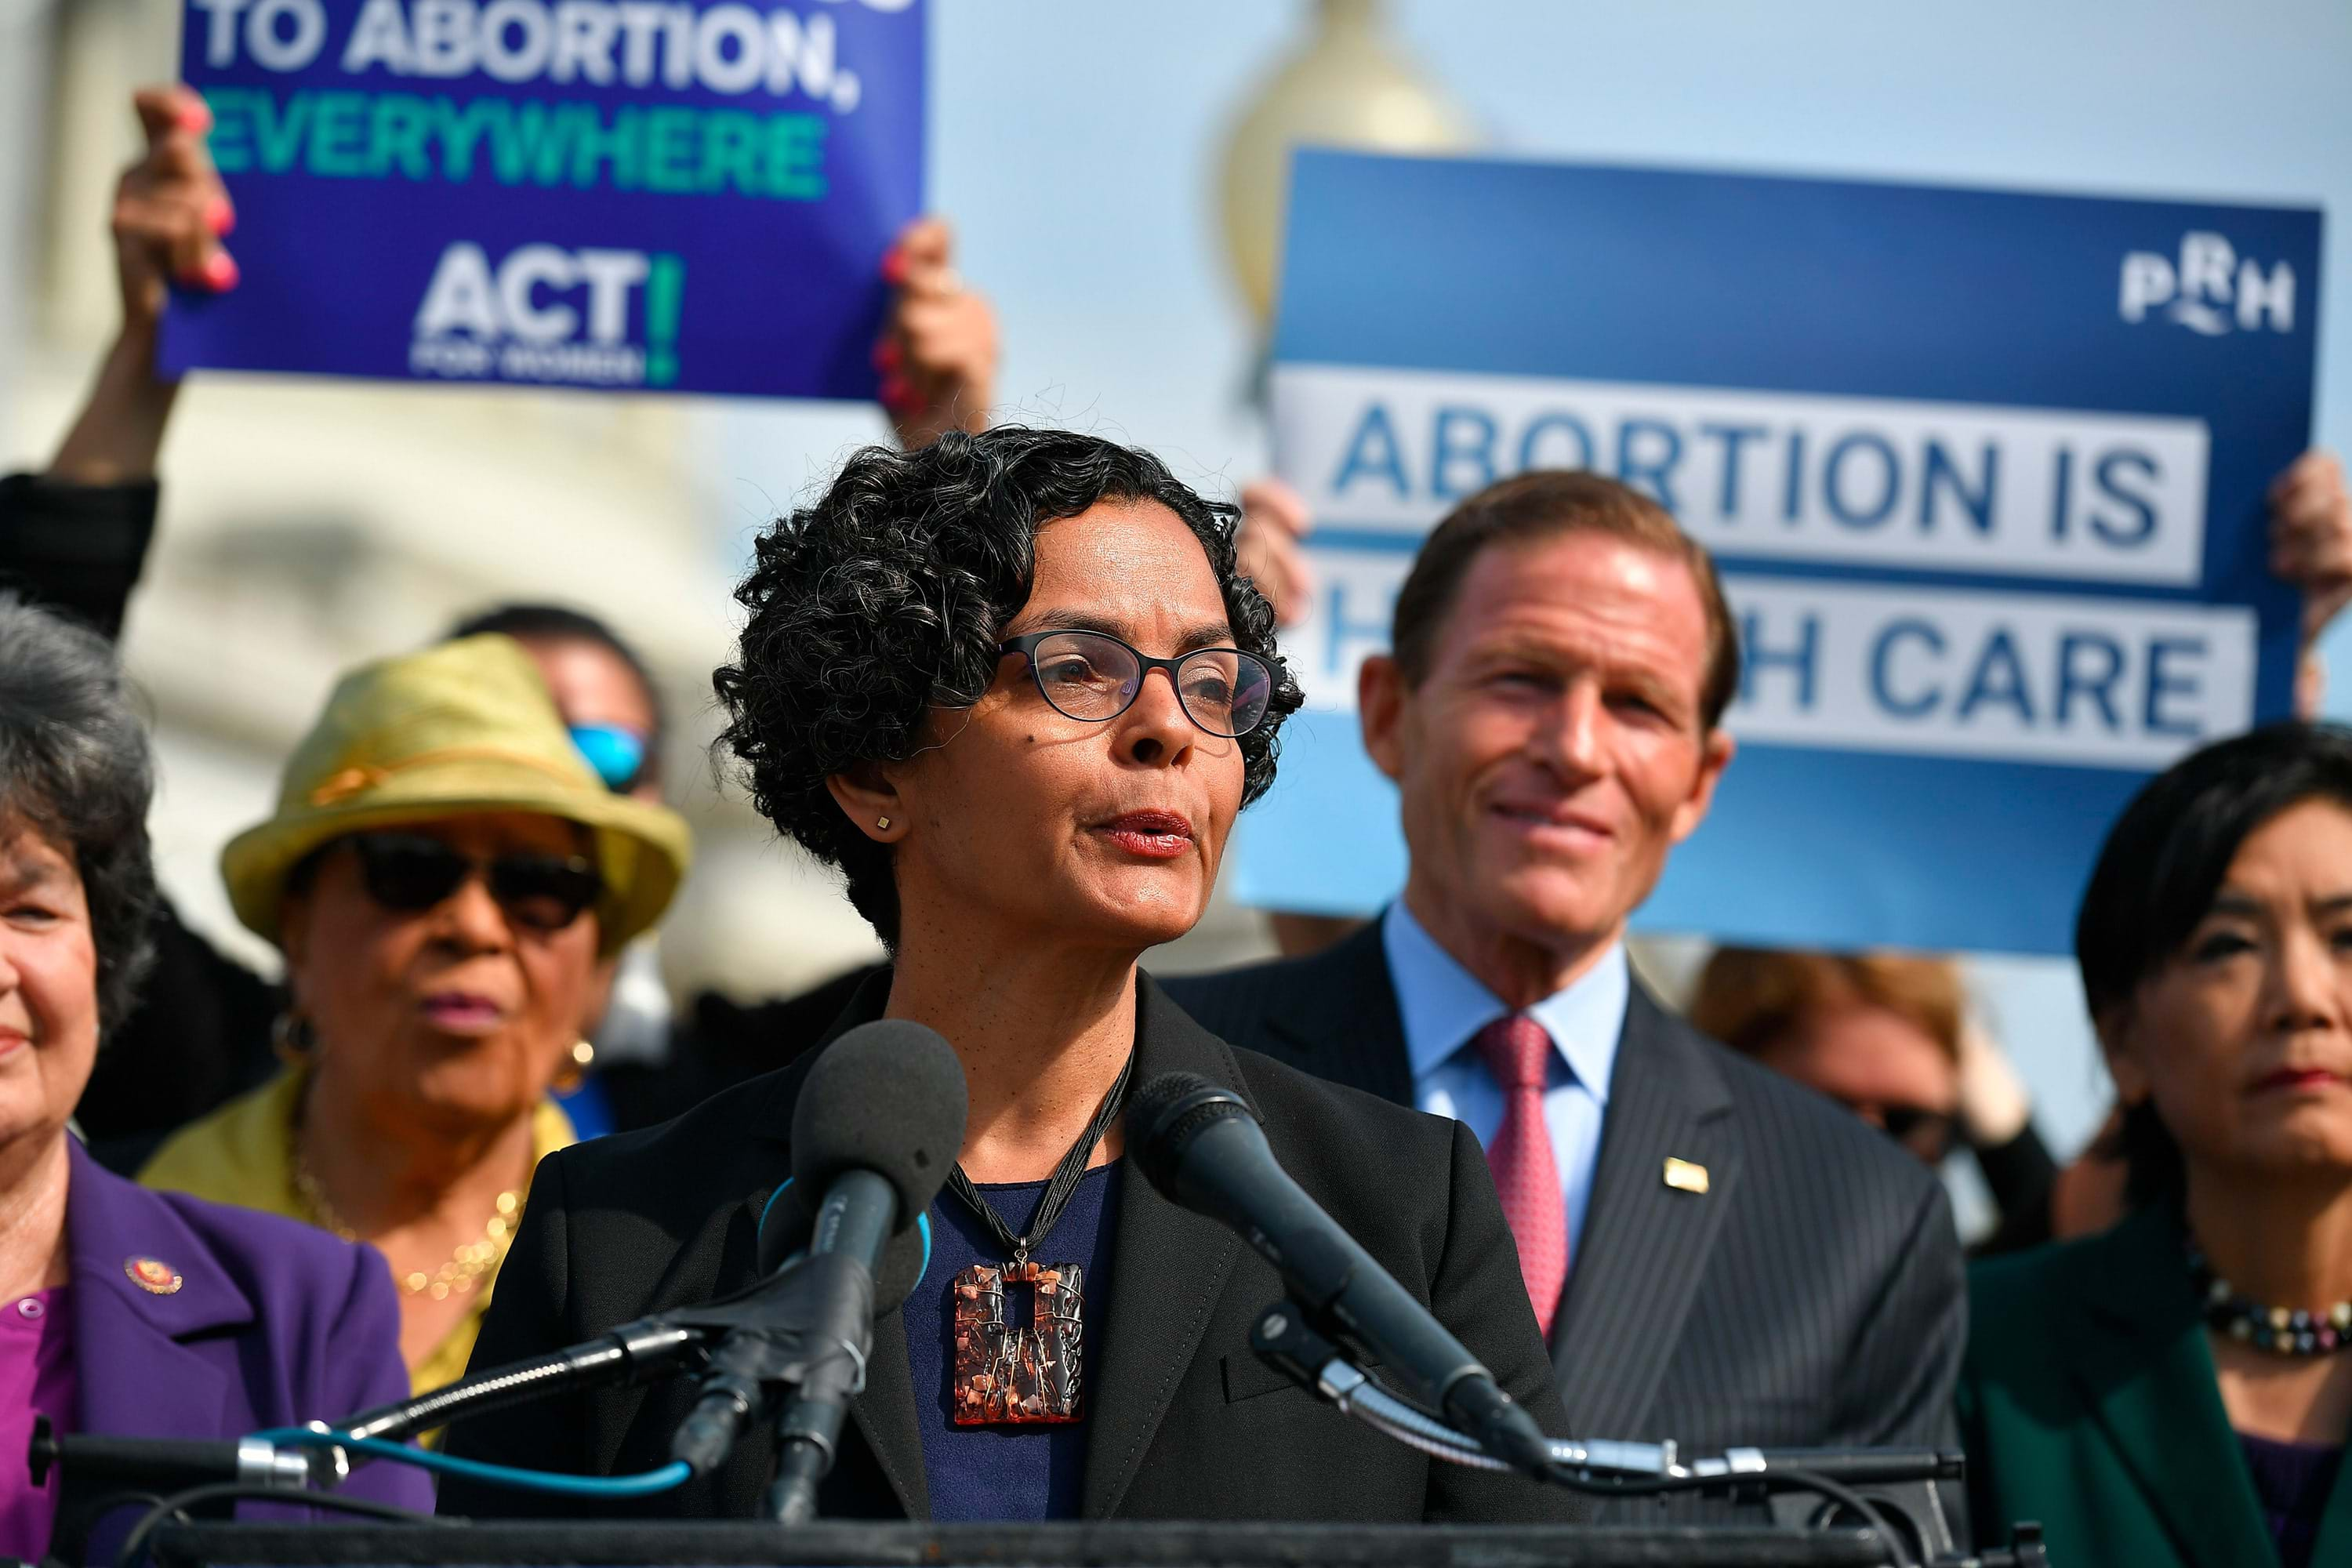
[2294,1481]
[1020,1473]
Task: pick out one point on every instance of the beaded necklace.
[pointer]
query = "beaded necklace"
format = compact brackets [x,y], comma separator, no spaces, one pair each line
[2282,1331]
[468,1266]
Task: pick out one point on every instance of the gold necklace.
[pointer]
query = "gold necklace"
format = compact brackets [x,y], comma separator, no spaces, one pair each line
[473,1262]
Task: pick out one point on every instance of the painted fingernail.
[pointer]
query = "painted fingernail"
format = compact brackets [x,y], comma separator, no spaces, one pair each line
[196,115]
[887,354]
[222,217]
[894,267]
[899,393]
[219,272]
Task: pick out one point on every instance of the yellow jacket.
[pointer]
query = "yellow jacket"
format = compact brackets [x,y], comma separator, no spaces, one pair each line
[243,1153]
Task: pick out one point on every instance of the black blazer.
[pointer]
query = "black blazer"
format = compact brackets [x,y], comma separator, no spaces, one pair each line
[1186,1422]
[1812,1295]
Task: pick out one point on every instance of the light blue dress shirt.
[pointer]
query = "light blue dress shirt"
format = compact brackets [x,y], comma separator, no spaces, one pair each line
[1444,1006]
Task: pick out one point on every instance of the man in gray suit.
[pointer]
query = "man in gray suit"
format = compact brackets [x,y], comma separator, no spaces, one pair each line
[1718,1256]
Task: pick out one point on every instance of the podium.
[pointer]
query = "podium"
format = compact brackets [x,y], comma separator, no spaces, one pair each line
[1114,1544]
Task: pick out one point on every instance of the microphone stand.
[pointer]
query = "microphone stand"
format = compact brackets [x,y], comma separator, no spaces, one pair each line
[1286,1337]
[770,1314]
[852,1225]
[804,1374]
[760,1345]
[96,1471]
[633,1353]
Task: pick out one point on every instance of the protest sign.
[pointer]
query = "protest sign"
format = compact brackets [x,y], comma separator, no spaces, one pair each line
[1984,471]
[676,195]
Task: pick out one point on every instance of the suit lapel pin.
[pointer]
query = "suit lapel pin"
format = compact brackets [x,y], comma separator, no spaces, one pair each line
[1685,1177]
[152,1275]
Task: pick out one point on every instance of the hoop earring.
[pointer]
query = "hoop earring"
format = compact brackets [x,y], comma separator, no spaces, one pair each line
[574,1071]
[292,1040]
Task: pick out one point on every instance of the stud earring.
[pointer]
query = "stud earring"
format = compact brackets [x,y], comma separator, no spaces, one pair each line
[881,824]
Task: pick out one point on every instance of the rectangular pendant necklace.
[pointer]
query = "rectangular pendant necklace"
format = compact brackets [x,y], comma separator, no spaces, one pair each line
[1005,1376]
[1009,1376]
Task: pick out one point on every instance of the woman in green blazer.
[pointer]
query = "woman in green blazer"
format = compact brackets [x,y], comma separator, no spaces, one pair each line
[2175,1392]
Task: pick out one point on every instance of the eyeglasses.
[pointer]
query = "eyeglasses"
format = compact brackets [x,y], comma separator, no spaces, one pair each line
[619,755]
[1094,676]
[1931,1134]
[412,873]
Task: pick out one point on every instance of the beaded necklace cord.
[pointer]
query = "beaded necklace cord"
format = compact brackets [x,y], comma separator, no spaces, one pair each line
[1064,1183]
[2281,1331]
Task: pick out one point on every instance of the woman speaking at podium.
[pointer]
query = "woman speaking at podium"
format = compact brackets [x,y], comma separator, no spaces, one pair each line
[1012,686]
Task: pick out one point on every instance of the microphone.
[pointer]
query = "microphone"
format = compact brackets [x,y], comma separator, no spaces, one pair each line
[1907,1487]
[876,1129]
[1203,1148]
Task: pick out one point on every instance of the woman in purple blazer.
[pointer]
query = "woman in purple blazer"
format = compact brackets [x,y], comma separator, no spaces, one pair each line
[124,1312]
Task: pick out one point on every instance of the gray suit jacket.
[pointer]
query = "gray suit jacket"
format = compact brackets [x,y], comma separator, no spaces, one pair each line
[1811,1296]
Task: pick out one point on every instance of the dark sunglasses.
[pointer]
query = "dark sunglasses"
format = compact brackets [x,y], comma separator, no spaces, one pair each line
[1094,676]
[412,873]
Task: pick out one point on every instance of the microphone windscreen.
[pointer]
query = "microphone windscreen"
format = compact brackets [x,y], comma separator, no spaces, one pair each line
[886,1097]
[1165,1115]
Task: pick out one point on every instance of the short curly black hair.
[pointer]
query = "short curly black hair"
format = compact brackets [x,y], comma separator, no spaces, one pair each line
[887,598]
[76,768]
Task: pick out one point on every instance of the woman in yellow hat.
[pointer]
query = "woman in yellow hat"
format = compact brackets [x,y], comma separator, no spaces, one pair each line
[442,873]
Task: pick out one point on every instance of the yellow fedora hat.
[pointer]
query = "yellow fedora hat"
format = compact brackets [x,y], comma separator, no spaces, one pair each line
[463,727]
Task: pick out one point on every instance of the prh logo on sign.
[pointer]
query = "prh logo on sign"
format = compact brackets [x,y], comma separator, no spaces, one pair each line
[2210,290]
[545,313]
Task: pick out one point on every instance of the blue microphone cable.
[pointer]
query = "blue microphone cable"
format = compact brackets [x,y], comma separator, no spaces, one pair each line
[644,1485]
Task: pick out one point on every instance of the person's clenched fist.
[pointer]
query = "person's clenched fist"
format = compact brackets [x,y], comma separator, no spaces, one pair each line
[938,356]
[1275,522]
[2311,536]
[171,209]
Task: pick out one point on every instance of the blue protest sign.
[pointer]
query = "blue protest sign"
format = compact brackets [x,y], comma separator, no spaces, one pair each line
[1984,470]
[673,194]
